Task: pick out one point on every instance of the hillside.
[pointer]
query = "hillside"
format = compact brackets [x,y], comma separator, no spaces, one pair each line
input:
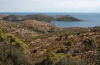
[48,44]
[27,29]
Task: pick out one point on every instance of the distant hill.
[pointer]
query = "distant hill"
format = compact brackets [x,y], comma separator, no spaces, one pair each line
[15,18]
[41,17]
[3,15]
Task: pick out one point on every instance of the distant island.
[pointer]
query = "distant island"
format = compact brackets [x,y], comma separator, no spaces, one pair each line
[40,17]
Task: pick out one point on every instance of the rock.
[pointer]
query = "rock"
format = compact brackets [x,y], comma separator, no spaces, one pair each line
[42,52]
[88,30]
[70,36]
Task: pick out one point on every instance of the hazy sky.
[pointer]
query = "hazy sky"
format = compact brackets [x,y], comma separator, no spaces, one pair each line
[50,6]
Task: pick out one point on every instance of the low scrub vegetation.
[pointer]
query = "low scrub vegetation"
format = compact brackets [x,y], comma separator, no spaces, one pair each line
[60,59]
[12,50]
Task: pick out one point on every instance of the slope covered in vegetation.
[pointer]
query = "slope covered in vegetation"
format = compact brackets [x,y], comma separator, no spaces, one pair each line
[45,44]
[12,50]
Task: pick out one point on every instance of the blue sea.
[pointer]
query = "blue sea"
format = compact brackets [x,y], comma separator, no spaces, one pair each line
[89,19]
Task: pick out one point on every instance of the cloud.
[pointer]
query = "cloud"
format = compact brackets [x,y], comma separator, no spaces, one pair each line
[80,4]
[77,5]
[50,5]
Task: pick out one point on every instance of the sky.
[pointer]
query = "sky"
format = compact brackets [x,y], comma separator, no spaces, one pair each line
[90,6]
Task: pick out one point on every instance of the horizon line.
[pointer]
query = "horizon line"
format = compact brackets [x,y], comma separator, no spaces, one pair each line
[49,12]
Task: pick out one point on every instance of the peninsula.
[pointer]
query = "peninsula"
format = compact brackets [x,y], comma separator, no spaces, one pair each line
[40,17]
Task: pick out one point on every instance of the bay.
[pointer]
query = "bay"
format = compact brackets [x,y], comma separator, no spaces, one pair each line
[89,19]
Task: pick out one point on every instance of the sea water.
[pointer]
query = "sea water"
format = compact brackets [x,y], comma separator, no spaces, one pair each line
[89,19]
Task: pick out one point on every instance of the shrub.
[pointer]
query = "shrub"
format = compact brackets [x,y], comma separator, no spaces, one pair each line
[51,59]
[92,42]
[69,60]
[11,55]
[60,59]
[62,50]
[12,50]
[69,43]
[13,40]
[1,31]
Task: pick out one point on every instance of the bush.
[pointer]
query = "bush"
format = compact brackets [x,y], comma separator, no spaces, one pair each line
[10,55]
[92,42]
[62,50]
[12,50]
[51,59]
[1,31]
[13,40]
[69,60]
[69,43]
[60,59]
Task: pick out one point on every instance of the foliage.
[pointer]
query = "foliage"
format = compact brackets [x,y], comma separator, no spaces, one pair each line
[62,50]
[14,40]
[97,59]
[12,50]
[11,55]
[92,42]
[60,59]
[69,43]
[1,31]
[69,60]
[36,30]
[51,59]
